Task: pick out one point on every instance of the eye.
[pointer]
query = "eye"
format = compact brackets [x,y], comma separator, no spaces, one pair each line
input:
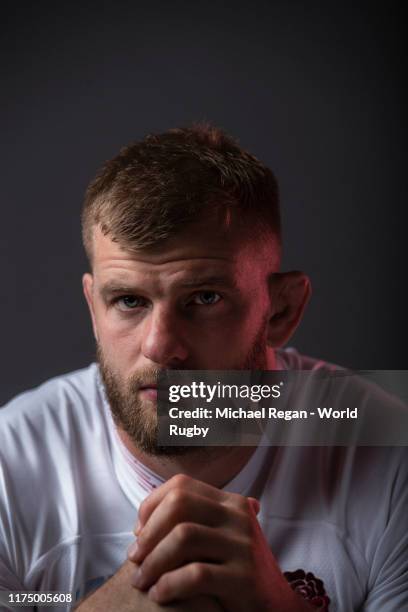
[206,298]
[129,302]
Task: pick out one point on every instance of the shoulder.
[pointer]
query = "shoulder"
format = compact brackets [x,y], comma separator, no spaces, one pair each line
[378,399]
[39,426]
[53,440]
[290,359]
[362,464]
[65,392]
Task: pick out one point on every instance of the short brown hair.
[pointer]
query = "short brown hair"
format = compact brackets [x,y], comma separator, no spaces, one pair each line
[154,188]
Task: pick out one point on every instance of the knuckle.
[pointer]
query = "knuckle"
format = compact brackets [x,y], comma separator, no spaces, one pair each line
[245,522]
[163,586]
[243,503]
[240,503]
[199,573]
[246,552]
[177,499]
[184,532]
[143,508]
[142,539]
[181,480]
[146,568]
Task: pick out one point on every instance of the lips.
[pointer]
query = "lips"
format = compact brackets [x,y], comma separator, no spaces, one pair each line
[149,391]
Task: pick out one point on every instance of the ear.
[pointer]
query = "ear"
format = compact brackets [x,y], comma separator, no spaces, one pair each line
[87,285]
[289,293]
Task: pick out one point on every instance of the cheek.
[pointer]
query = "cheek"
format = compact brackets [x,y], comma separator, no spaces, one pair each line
[251,329]
[234,334]
[120,340]
[110,326]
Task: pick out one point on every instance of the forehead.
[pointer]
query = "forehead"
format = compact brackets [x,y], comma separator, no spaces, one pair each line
[197,250]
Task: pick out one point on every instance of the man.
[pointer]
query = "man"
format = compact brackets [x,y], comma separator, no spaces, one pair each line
[182,231]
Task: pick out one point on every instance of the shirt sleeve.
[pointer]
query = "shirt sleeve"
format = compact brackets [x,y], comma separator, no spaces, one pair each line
[9,580]
[388,581]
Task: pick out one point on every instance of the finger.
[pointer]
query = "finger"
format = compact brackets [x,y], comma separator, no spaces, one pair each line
[191,580]
[180,481]
[188,542]
[255,504]
[177,507]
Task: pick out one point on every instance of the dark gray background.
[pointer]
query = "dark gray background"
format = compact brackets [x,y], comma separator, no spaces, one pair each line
[314,89]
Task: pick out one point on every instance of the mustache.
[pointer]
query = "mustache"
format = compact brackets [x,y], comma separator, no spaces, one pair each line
[144,377]
[147,377]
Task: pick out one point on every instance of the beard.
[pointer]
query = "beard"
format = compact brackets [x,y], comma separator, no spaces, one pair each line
[138,417]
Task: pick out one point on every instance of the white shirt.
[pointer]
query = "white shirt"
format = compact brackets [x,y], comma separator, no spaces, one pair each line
[70,492]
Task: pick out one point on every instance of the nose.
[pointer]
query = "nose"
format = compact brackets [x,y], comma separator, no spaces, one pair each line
[162,340]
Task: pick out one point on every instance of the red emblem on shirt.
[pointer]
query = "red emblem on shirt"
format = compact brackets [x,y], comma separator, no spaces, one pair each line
[310,588]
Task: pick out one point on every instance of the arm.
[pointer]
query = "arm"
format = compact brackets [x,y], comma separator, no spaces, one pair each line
[118,595]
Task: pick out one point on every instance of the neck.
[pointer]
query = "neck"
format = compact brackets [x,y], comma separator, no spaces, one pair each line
[214,465]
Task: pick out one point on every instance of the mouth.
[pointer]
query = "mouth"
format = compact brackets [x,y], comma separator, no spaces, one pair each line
[149,391]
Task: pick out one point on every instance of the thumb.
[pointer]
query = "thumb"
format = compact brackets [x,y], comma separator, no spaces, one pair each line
[256,506]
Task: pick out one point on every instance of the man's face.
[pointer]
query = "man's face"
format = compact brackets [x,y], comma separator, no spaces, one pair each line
[199,302]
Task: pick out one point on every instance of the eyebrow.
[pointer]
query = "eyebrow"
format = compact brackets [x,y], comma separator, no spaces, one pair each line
[200,281]
[111,288]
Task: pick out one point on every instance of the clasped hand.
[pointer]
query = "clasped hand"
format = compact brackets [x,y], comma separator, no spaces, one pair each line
[194,539]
